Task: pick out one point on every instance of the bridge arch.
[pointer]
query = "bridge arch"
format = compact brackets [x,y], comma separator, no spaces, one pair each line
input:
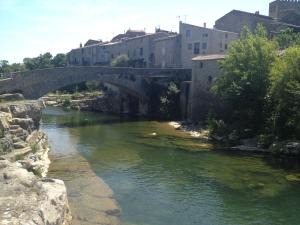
[35,84]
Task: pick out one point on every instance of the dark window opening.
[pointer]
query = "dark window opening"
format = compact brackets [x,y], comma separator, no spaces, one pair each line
[141,51]
[196,48]
[187,33]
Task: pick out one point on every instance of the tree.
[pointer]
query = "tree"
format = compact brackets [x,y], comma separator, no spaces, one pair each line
[246,80]
[41,62]
[60,60]
[287,38]
[120,61]
[4,66]
[169,102]
[285,93]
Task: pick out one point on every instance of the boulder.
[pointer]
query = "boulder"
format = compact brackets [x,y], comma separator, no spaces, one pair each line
[31,110]
[291,148]
[25,123]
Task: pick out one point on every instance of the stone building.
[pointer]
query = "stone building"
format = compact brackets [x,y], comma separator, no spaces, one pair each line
[236,20]
[287,11]
[92,42]
[205,71]
[161,49]
[197,40]
[140,50]
[167,52]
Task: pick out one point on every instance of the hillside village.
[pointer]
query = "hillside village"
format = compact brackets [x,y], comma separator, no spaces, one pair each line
[194,47]
[166,49]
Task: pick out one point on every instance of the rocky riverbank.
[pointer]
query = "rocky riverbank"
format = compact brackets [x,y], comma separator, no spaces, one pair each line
[232,143]
[86,101]
[27,196]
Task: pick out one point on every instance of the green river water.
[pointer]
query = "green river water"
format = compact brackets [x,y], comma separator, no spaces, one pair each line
[172,178]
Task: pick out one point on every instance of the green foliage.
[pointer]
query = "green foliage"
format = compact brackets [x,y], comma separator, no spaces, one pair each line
[5,67]
[217,127]
[60,60]
[169,102]
[120,61]
[287,38]
[66,100]
[34,147]
[285,94]
[246,80]
[41,62]
[19,157]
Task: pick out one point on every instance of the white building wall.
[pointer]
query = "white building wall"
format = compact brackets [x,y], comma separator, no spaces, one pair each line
[202,41]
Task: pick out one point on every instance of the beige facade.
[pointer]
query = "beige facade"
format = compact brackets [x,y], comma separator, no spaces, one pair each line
[202,41]
[167,52]
[161,49]
[140,51]
[205,71]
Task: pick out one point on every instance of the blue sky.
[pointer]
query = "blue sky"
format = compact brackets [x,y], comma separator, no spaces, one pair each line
[31,27]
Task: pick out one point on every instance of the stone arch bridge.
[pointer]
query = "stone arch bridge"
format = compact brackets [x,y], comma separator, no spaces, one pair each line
[36,83]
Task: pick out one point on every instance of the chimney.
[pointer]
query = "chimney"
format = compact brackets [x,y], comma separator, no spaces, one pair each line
[204,25]
[257,12]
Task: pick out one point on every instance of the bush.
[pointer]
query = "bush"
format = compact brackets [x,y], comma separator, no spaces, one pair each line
[217,127]
[120,61]
[34,147]
[169,102]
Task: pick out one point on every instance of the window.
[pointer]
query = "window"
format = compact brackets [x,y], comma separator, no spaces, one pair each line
[196,48]
[112,56]
[209,79]
[226,46]
[201,65]
[204,45]
[205,35]
[141,51]
[226,35]
[190,46]
[187,33]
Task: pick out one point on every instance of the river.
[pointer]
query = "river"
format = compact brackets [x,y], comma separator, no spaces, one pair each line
[160,176]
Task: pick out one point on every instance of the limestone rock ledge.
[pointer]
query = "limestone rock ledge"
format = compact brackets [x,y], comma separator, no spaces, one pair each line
[27,199]
[26,196]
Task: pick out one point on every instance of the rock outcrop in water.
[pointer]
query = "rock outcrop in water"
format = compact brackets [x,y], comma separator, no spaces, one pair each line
[26,196]
[95,101]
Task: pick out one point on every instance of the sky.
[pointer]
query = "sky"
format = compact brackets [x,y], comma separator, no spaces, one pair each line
[32,27]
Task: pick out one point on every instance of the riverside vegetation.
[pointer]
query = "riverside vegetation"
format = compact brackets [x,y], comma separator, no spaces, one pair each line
[261,91]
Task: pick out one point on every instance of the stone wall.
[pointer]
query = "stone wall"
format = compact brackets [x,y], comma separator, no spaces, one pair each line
[205,72]
[285,11]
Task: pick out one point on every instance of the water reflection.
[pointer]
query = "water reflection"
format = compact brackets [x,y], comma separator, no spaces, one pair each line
[156,182]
